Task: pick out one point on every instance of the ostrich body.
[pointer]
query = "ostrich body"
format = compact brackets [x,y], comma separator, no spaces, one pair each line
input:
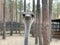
[28,19]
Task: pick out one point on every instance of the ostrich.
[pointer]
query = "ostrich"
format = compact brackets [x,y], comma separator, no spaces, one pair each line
[28,19]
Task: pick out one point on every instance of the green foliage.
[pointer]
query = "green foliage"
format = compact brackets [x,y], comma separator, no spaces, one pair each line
[28,7]
[19,3]
[56,9]
[18,6]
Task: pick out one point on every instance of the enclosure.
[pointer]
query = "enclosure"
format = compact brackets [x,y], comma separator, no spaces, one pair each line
[45,29]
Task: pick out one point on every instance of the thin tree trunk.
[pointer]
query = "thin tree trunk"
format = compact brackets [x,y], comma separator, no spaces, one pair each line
[36,32]
[11,17]
[4,23]
[16,16]
[20,14]
[35,29]
[24,5]
[45,23]
[50,14]
[34,6]
[34,13]
[39,23]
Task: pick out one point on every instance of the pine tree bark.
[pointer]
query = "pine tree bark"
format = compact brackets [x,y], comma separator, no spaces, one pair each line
[11,16]
[34,6]
[35,28]
[50,15]
[16,16]
[20,15]
[4,23]
[24,5]
[45,22]
[39,23]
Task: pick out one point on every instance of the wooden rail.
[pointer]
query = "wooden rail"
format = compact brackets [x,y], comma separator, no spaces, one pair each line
[56,28]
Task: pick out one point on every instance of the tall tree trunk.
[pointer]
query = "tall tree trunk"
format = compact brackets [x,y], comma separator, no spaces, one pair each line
[24,5]
[20,14]
[16,16]
[35,29]
[4,23]
[50,14]
[11,16]
[39,23]
[45,22]
[34,6]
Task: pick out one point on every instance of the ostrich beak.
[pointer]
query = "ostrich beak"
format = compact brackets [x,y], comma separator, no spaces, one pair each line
[27,17]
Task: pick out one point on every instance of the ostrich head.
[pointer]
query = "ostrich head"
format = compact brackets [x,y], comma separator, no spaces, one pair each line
[28,18]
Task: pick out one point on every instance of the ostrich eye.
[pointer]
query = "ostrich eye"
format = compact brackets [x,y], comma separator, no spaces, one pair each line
[32,15]
[23,15]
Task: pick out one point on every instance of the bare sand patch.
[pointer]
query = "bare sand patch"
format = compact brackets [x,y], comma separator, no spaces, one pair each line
[19,40]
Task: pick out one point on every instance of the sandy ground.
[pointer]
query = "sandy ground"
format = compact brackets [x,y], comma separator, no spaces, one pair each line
[19,40]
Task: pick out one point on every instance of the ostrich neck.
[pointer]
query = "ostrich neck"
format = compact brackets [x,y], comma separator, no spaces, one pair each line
[27,29]
[27,26]
[27,32]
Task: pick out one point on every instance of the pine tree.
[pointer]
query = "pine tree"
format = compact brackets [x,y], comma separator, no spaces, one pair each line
[24,5]
[50,16]
[11,16]
[38,16]
[4,23]
[46,22]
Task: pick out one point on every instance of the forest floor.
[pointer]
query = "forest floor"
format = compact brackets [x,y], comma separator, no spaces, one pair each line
[16,39]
